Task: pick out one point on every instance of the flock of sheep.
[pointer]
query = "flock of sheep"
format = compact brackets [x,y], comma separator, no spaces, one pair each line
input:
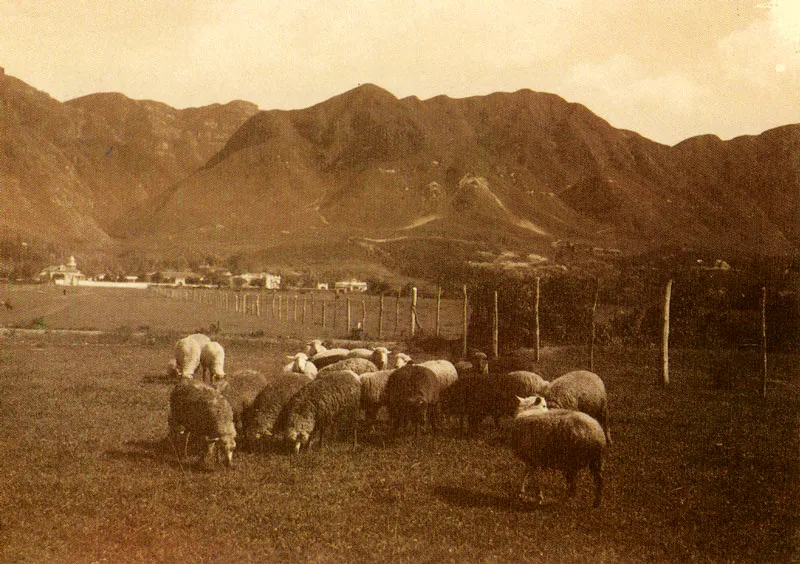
[562,425]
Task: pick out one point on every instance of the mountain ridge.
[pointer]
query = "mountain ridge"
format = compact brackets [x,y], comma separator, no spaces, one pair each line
[522,170]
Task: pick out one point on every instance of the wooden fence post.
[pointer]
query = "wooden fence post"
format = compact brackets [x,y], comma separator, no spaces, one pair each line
[323,313]
[380,318]
[348,318]
[273,303]
[536,319]
[258,305]
[413,311]
[464,342]
[592,336]
[397,312]
[294,309]
[303,313]
[438,308]
[665,337]
[764,340]
[335,311]
[363,315]
[495,329]
[312,309]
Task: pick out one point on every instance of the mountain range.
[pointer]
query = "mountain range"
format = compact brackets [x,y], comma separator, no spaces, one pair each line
[365,174]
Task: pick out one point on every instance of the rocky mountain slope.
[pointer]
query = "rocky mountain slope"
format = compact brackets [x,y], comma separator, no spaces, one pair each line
[520,170]
[82,170]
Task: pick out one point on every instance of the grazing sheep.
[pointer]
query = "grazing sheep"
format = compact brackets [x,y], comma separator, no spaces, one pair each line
[301,365]
[318,407]
[187,355]
[580,390]
[357,365]
[258,422]
[380,357]
[373,387]
[530,405]
[195,407]
[478,364]
[559,439]
[530,383]
[314,347]
[366,354]
[473,398]
[413,393]
[199,338]
[401,359]
[172,369]
[241,389]
[326,357]
[212,361]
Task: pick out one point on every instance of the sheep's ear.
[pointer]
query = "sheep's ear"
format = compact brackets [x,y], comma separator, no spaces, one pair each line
[519,400]
[538,400]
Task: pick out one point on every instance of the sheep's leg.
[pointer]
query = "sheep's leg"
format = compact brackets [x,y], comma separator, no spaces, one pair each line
[185,444]
[435,419]
[604,423]
[595,467]
[523,491]
[355,433]
[572,482]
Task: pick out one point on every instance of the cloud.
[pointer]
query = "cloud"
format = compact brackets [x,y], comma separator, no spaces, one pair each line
[623,79]
[768,45]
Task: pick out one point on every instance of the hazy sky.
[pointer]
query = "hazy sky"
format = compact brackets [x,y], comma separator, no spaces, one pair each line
[668,69]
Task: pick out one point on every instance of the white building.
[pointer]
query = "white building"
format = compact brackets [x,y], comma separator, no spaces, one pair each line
[271,281]
[347,286]
[63,274]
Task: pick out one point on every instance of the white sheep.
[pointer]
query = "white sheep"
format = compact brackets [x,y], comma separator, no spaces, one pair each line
[366,354]
[558,439]
[259,421]
[580,390]
[413,392]
[212,361]
[380,357]
[401,359]
[530,405]
[328,356]
[373,387]
[241,389]
[357,365]
[195,407]
[314,347]
[318,407]
[300,364]
[187,354]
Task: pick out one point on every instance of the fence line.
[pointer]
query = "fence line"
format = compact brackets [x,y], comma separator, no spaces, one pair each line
[481,312]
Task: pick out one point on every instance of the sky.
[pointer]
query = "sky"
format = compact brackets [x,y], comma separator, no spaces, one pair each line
[668,69]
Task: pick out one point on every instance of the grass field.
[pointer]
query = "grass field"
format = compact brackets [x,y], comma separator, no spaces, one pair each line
[695,474]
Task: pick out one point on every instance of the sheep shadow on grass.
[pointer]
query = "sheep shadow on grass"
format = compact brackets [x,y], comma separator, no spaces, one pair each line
[464,497]
[161,451]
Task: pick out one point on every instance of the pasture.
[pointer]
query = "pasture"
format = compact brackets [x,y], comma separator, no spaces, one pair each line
[695,474]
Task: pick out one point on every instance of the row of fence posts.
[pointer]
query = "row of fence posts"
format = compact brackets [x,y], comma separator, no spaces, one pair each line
[241,304]
[284,308]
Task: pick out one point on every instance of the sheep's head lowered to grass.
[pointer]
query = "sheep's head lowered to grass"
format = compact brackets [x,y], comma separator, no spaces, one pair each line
[532,405]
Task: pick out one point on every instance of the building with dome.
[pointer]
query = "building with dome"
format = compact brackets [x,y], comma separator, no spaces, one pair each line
[63,274]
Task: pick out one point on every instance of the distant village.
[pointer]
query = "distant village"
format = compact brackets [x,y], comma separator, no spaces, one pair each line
[206,276]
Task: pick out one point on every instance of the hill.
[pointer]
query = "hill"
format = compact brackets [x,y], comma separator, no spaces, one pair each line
[368,177]
[81,171]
